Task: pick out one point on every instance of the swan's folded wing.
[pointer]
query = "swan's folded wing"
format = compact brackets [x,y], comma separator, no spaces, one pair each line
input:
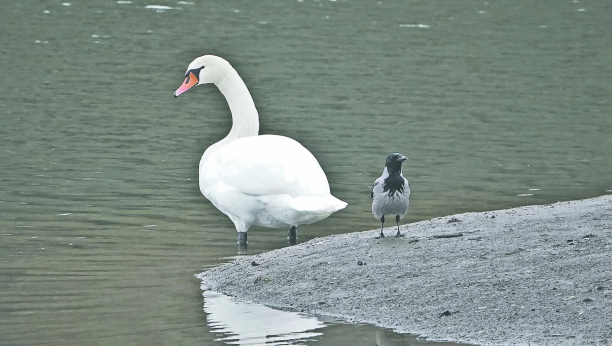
[267,165]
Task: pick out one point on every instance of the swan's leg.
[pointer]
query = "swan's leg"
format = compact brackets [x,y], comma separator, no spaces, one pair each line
[242,229]
[292,236]
[397,218]
[382,222]
[242,248]
[242,238]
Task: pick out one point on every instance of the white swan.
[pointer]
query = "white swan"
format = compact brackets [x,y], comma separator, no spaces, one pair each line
[267,180]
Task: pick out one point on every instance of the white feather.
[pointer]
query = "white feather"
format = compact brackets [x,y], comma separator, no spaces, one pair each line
[268,180]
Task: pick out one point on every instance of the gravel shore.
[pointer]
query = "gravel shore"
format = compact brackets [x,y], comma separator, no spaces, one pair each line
[536,275]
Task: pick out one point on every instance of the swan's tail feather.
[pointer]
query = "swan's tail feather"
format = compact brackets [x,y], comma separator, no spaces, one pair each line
[328,204]
[303,209]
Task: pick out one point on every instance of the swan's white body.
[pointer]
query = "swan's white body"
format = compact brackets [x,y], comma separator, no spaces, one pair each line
[267,180]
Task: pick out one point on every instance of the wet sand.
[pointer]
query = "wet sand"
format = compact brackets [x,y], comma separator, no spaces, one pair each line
[539,275]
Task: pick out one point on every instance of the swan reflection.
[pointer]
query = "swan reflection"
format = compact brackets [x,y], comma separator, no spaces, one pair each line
[243,323]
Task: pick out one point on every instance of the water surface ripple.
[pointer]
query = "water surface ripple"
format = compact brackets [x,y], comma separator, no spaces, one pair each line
[102,225]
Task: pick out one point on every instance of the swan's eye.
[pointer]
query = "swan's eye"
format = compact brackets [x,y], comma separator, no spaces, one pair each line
[195,71]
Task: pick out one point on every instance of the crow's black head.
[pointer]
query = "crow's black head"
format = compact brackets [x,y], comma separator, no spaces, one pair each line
[394,162]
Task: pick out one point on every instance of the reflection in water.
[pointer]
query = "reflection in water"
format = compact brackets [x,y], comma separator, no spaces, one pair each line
[245,323]
[386,337]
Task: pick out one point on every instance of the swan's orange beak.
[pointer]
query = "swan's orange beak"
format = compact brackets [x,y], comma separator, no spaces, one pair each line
[189,83]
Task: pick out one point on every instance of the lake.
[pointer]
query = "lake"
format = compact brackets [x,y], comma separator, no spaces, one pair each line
[102,225]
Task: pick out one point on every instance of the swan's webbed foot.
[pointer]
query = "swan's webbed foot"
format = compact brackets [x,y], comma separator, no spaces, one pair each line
[292,235]
[242,238]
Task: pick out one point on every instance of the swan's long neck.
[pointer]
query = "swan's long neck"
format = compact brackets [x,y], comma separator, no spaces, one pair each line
[245,120]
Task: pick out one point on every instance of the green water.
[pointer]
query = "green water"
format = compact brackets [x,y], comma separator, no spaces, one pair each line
[102,225]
